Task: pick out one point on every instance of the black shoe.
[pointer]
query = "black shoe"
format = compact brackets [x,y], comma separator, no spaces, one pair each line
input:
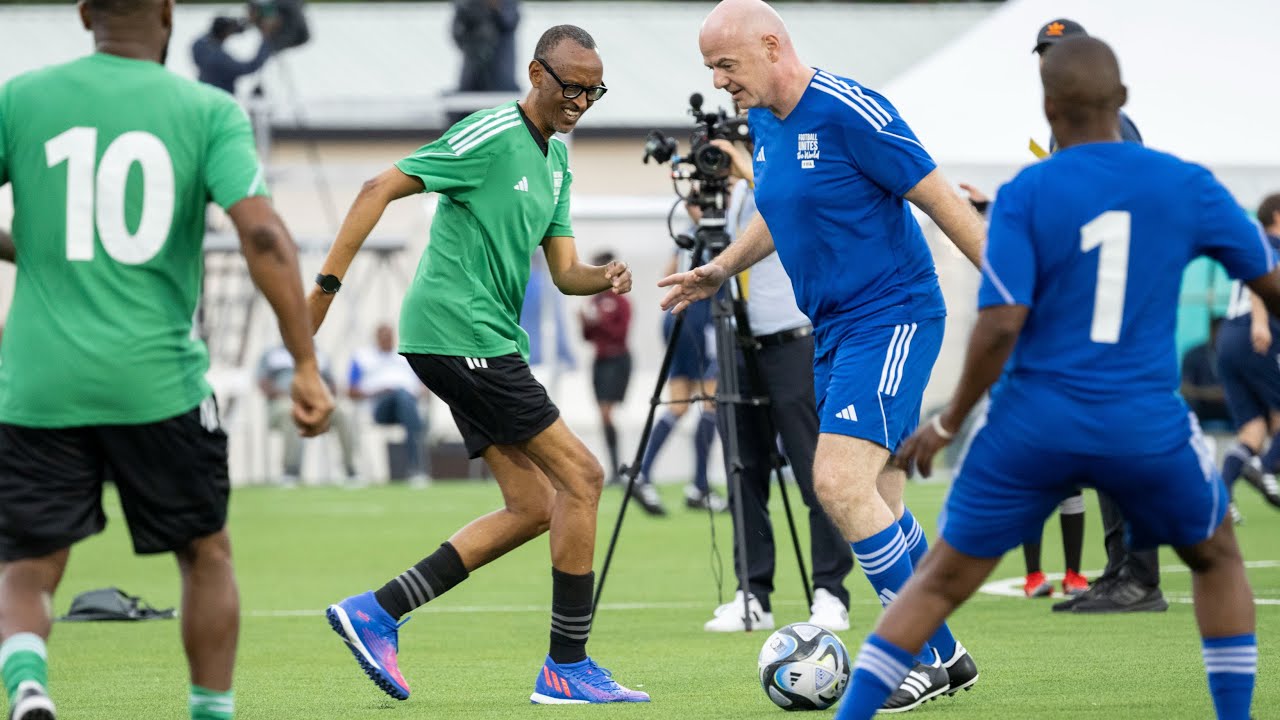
[647,495]
[32,703]
[922,684]
[962,673]
[1097,589]
[1263,482]
[1123,596]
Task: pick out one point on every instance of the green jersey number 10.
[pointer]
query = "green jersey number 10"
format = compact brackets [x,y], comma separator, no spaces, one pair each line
[96,196]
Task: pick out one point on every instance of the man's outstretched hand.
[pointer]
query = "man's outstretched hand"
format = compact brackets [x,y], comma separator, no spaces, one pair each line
[687,288]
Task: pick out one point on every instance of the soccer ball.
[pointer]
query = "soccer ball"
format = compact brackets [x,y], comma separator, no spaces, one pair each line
[803,667]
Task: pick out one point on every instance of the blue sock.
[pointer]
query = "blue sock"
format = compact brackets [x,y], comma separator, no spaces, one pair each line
[877,671]
[661,430]
[702,439]
[1237,455]
[887,565]
[917,545]
[1232,665]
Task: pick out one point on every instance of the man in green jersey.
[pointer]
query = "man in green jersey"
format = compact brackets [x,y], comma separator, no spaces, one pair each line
[112,160]
[503,181]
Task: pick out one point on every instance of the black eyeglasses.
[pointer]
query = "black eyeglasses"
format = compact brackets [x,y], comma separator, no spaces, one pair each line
[573,90]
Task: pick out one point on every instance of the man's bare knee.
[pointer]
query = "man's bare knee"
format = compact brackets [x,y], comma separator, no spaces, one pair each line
[1218,551]
[587,481]
[207,550]
[533,509]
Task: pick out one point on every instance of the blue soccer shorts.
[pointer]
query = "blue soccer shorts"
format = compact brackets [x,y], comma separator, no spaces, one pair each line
[695,353]
[1251,381]
[871,384]
[1006,489]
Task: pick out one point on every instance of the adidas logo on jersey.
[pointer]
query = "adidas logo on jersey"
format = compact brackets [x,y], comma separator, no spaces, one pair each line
[848,414]
[760,155]
[523,185]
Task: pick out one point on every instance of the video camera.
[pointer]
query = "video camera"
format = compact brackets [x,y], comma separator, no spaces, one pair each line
[289,17]
[706,167]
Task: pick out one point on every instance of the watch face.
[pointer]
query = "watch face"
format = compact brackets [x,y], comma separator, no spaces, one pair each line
[328,283]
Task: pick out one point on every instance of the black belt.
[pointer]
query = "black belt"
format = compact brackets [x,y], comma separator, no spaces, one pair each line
[784,337]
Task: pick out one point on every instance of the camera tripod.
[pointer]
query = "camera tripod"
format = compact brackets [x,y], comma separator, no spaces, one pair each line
[732,332]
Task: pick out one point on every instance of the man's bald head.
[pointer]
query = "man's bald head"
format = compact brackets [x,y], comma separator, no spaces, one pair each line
[747,46]
[744,20]
[1082,86]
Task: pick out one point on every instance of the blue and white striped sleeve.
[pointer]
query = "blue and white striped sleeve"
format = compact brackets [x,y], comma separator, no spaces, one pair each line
[1009,258]
[879,142]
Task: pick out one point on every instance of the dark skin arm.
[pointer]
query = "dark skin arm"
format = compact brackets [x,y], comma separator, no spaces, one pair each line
[574,277]
[273,264]
[990,345]
[374,197]
[8,251]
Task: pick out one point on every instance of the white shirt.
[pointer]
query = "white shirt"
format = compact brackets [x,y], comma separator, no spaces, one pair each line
[374,371]
[771,303]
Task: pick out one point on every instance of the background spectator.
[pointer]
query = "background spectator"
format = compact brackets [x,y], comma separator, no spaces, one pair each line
[381,375]
[606,320]
[275,376]
[485,32]
[216,66]
[1201,387]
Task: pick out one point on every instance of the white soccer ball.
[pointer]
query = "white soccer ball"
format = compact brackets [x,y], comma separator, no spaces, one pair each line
[803,667]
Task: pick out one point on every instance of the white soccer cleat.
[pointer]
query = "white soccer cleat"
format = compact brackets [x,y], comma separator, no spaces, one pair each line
[729,618]
[828,612]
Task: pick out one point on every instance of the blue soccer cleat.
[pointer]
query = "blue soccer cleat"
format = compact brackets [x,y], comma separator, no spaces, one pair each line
[372,636]
[580,683]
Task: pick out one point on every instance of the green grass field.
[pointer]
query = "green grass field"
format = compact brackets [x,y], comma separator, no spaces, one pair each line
[474,653]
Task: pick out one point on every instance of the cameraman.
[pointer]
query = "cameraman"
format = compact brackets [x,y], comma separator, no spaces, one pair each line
[216,66]
[784,344]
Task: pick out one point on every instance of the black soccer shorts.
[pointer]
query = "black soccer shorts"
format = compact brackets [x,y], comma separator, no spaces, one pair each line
[494,401]
[171,476]
[610,378]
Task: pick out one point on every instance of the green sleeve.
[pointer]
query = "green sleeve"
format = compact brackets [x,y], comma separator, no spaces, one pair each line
[560,223]
[232,171]
[444,171]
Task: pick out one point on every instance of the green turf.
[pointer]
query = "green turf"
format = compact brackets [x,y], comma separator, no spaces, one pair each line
[474,653]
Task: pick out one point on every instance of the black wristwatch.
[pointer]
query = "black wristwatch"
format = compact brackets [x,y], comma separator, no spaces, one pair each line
[329,284]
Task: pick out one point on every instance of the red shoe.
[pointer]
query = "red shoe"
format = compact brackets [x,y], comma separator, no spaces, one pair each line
[1074,583]
[1037,586]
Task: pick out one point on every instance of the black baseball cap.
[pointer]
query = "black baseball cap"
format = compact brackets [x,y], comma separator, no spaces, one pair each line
[1054,31]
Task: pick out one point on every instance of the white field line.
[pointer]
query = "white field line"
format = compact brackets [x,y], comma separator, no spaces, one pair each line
[1012,587]
[1009,587]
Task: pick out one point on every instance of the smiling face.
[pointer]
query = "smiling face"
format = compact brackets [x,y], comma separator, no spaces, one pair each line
[549,109]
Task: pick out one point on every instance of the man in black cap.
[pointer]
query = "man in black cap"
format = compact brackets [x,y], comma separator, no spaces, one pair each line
[1051,34]
[1131,581]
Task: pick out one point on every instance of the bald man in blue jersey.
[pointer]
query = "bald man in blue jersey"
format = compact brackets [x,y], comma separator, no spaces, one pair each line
[835,168]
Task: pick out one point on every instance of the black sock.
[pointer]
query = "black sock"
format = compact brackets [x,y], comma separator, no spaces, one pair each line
[570,615]
[1072,538]
[422,583]
[611,440]
[1031,553]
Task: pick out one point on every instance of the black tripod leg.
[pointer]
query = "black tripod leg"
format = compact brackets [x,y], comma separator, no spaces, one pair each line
[632,471]
[795,536]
